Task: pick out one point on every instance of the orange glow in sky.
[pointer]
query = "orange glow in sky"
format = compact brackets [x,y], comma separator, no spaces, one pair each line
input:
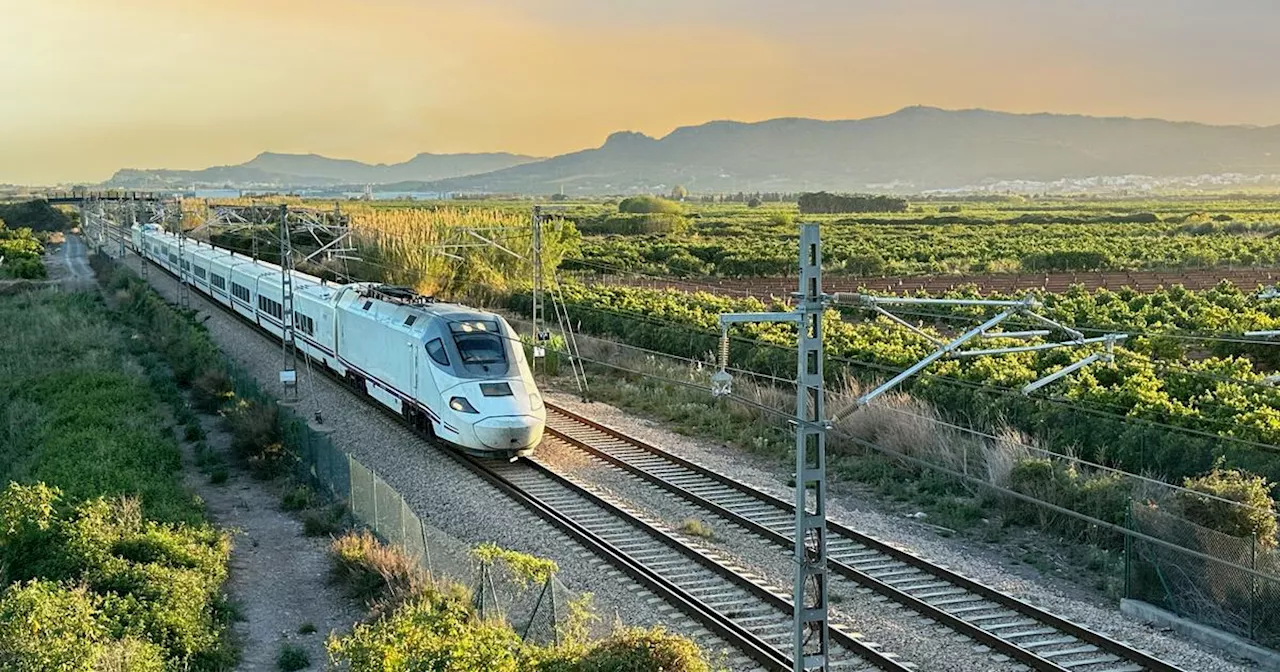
[90,87]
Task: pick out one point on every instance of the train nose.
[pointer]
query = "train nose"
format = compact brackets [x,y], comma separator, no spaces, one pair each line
[510,432]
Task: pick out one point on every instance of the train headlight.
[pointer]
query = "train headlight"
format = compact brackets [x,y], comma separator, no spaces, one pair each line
[461,405]
[535,401]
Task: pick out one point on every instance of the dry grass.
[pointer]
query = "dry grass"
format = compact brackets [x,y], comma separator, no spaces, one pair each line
[697,528]
[380,575]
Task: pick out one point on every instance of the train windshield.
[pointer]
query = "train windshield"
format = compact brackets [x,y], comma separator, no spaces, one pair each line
[479,342]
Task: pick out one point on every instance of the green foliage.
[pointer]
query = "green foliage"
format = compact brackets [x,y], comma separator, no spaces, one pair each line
[100,570]
[1256,519]
[1152,379]
[639,649]
[984,238]
[1102,496]
[297,498]
[256,437]
[434,631]
[649,204]
[20,252]
[36,215]
[823,203]
[292,658]
[697,528]
[524,567]
[636,224]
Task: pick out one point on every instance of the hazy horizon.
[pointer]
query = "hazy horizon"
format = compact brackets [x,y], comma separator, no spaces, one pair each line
[145,84]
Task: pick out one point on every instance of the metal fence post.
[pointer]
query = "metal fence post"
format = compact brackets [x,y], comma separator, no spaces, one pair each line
[1128,550]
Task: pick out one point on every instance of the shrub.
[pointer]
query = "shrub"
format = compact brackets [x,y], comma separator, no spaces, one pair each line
[323,521]
[374,572]
[436,630]
[292,657]
[211,389]
[1255,519]
[636,224]
[638,649]
[649,204]
[256,437]
[297,498]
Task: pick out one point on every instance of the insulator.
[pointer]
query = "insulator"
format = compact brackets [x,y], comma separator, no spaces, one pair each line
[724,350]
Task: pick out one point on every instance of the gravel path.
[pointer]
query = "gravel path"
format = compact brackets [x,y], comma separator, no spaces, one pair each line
[444,494]
[279,578]
[1056,596]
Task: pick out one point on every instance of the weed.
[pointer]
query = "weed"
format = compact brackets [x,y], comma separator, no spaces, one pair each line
[307,628]
[292,657]
[297,498]
[219,475]
[194,432]
[321,522]
[697,528]
[374,572]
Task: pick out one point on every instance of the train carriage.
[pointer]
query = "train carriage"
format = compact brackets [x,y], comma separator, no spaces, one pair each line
[458,374]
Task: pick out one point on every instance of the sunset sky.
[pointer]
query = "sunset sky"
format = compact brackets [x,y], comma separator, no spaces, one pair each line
[89,87]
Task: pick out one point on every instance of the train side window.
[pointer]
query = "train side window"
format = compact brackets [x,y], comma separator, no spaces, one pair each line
[435,348]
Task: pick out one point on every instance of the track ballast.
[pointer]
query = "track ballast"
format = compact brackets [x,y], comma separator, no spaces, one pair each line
[1009,626]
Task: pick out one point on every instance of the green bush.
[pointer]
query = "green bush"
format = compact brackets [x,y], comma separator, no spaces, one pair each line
[1256,519]
[638,649]
[636,224]
[1104,496]
[292,658]
[649,204]
[109,571]
[434,631]
[256,437]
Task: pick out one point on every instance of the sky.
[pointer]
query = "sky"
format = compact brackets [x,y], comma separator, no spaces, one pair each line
[88,87]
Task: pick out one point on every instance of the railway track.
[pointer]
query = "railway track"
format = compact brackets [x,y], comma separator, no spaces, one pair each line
[1025,633]
[750,616]
[753,618]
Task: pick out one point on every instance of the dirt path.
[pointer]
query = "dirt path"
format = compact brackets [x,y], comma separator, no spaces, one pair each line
[279,577]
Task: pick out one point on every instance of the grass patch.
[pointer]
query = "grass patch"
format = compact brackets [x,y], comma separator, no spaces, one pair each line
[324,521]
[292,657]
[297,498]
[307,628]
[379,575]
[697,528]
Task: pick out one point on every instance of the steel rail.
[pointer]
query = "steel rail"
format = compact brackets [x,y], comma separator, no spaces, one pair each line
[1144,660]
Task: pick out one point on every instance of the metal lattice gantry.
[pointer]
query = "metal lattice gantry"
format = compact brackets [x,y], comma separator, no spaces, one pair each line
[1023,308]
[810,637]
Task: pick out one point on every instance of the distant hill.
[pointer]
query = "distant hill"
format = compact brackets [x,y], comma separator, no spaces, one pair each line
[312,170]
[914,149]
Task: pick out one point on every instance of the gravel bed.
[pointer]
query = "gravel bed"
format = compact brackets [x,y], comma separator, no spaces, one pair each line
[896,630]
[1054,595]
[443,493]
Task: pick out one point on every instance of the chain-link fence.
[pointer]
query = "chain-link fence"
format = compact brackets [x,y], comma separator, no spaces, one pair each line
[1229,583]
[535,611]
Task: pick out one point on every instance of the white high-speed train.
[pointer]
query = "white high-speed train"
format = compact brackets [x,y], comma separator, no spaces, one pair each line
[456,373]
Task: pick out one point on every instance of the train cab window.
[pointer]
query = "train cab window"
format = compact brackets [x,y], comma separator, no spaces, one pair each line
[479,342]
[435,348]
[408,321]
[368,305]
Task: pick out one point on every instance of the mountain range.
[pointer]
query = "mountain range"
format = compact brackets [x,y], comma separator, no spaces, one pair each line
[914,149]
[270,169]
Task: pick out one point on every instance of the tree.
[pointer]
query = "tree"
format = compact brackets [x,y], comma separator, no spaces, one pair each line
[679,193]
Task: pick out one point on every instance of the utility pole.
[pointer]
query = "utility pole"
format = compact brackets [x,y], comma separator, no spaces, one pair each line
[541,335]
[810,637]
[289,350]
[184,265]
